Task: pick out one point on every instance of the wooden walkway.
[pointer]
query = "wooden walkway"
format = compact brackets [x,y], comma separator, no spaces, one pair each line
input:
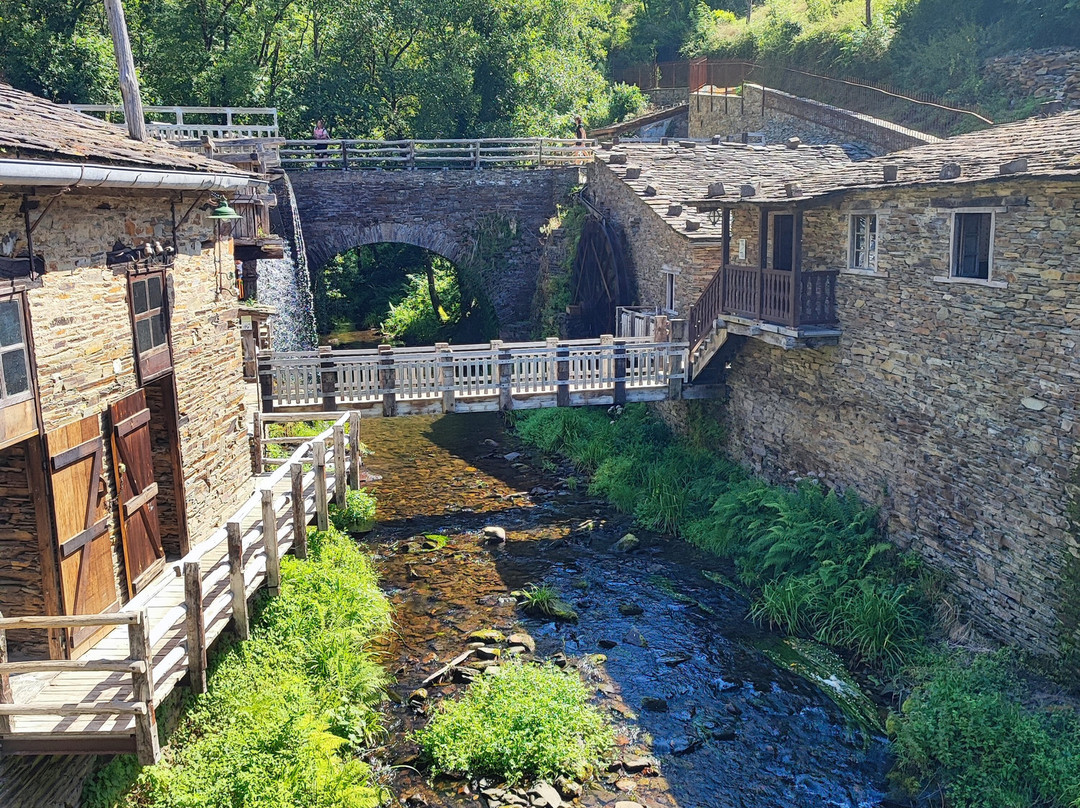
[474,378]
[104,702]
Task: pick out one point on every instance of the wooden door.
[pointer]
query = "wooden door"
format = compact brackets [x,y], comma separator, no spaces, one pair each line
[133,467]
[79,499]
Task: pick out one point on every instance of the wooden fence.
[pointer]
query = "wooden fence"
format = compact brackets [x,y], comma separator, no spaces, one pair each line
[348,155]
[105,702]
[193,123]
[474,378]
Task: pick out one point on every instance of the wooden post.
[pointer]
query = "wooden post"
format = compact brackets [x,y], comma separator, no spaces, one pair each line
[341,467]
[476,155]
[676,366]
[129,80]
[446,375]
[322,513]
[270,542]
[6,696]
[299,513]
[355,458]
[562,376]
[796,270]
[236,580]
[257,428]
[142,687]
[328,379]
[196,628]
[266,383]
[503,374]
[388,380]
[619,393]
[411,161]
[344,155]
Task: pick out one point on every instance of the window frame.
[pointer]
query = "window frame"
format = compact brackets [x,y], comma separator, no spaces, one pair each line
[27,351]
[951,258]
[872,255]
[669,291]
[158,360]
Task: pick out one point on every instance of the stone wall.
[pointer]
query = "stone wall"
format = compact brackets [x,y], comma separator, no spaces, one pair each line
[84,347]
[954,406]
[441,211]
[780,116]
[1051,74]
[655,247]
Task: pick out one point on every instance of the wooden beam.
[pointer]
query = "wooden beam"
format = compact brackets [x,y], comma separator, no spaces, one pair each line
[322,514]
[70,621]
[129,80]
[236,580]
[299,514]
[269,531]
[142,683]
[195,627]
[257,440]
[341,467]
[355,456]
[73,665]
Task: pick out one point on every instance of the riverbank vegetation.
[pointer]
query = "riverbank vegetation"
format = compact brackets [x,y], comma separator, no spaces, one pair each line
[815,564]
[288,711]
[529,722]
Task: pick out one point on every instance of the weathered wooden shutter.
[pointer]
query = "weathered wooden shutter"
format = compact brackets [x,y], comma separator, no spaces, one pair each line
[133,466]
[79,508]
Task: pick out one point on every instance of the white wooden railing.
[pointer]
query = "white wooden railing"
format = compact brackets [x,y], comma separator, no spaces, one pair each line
[411,154]
[471,378]
[223,123]
[195,598]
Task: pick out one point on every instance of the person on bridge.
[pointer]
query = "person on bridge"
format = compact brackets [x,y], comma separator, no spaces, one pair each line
[581,135]
[321,133]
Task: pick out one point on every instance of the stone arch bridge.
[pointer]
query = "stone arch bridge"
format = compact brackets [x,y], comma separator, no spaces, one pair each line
[444,211]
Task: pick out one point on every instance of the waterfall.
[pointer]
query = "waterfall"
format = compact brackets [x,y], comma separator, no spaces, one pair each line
[285,283]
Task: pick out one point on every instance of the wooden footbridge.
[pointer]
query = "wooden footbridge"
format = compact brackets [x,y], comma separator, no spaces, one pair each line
[105,702]
[476,378]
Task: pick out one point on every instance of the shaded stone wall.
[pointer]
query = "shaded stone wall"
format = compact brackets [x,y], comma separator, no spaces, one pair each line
[655,247]
[84,348]
[441,211]
[781,116]
[1051,74]
[954,406]
[20,581]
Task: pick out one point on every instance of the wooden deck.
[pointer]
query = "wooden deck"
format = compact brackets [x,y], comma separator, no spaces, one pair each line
[104,702]
[474,378]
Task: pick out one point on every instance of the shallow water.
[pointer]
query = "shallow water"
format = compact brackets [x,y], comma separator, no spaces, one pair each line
[728,727]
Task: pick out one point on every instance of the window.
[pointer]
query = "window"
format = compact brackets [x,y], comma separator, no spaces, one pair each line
[863,248]
[14,356]
[669,291]
[783,241]
[148,322]
[972,245]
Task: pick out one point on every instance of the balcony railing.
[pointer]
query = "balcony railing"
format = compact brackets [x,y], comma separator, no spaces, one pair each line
[779,296]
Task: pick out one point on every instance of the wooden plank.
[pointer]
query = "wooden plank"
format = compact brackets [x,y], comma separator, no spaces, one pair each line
[236,580]
[355,457]
[321,504]
[270,542]
[98,708]
[194,627]
[6,696]
[142,685]
[69,621]
[299,515]
[341,471]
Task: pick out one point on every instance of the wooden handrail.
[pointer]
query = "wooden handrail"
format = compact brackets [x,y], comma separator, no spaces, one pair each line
[70,621]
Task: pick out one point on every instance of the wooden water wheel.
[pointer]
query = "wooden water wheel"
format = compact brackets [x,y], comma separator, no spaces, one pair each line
[601,280]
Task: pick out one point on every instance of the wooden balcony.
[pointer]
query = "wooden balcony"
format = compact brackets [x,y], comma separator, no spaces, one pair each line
[779,296]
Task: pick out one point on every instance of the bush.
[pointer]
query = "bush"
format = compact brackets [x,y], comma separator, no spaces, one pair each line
[358,515]
[527,722]
[285,709]
[964,732]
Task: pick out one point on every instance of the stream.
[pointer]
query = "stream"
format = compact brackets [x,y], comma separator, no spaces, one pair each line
[669,652]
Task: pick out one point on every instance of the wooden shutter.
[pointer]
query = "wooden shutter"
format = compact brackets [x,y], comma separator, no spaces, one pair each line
[133,466]
[79,509]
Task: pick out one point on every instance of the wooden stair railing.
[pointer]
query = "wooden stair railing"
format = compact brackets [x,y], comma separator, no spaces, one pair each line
[706,310]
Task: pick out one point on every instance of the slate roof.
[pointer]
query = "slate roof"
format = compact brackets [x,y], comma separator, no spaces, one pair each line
[32,128]
[1036,147]
[676,173]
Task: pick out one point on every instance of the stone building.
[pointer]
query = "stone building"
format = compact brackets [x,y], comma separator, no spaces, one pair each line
[122,431]
[942,377]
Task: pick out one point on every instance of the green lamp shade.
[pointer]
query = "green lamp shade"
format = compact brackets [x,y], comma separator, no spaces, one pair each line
[223,211]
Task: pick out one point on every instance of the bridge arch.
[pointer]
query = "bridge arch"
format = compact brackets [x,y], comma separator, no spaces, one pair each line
[431,236]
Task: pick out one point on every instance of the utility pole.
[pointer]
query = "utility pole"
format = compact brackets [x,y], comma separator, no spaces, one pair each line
[869,14]
[749,9]
[129,81]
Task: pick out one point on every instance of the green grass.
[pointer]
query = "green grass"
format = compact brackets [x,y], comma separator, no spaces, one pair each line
[545,601]
[358,515]
[527,722]
[287,710]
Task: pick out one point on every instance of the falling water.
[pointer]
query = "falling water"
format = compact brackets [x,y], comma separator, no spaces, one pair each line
[285,283]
